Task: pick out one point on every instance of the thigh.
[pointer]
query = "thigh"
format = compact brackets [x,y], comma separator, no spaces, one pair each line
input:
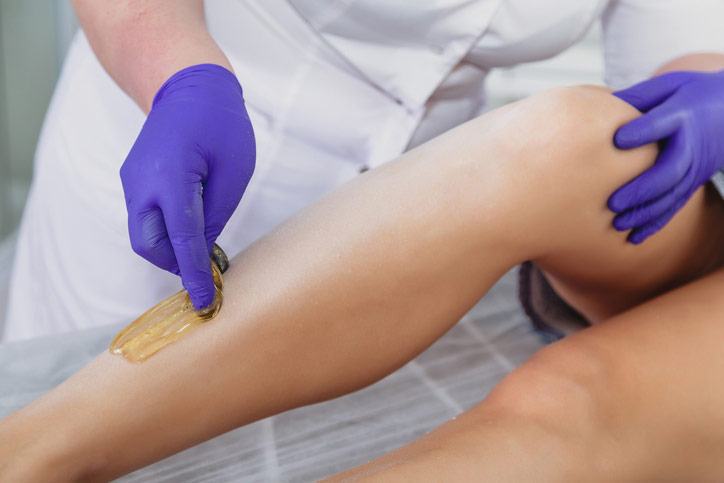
[605,278]
[635,399]
[564,173]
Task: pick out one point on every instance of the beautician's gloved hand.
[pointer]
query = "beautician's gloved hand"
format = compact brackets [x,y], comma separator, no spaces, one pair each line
[186,173]
[685,112]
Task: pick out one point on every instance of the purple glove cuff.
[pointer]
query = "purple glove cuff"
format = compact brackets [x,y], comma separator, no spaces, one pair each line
[218,82]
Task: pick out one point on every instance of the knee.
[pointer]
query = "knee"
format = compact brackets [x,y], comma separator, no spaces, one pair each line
[559,136]
[566,376]
[568,392]
[573,129]
[581,111]
[566,158]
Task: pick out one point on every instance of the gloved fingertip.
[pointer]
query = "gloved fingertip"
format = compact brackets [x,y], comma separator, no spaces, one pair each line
[618,202]
[626,138]
[201,289]
[633,96]
[611,204]
[635,240]
[637,237]
[202,298]
[623,223]
[623,95]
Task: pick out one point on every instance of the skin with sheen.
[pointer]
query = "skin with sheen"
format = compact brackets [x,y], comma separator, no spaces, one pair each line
[359,283]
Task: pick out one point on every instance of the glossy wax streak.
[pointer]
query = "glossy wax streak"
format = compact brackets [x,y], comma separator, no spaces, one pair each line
[170,319]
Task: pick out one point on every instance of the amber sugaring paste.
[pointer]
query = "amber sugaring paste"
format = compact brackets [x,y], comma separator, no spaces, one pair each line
[170,319]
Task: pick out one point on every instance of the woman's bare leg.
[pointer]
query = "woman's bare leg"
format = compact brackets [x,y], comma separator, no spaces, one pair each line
[638,398]
[358,284]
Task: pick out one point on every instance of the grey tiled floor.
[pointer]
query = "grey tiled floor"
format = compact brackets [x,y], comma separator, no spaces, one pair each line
[312,442]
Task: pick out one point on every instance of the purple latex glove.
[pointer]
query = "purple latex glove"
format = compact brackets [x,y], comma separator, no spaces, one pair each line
[684,111]
[186,173]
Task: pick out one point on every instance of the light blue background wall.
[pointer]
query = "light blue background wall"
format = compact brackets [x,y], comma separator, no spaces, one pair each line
[34,36]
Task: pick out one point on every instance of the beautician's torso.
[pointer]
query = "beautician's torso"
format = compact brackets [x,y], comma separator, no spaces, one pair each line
[411,56]
[331,87]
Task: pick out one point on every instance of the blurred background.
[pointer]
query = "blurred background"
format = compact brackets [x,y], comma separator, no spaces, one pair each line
[35,35]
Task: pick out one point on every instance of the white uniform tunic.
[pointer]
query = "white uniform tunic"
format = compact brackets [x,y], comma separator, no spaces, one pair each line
[331,86]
